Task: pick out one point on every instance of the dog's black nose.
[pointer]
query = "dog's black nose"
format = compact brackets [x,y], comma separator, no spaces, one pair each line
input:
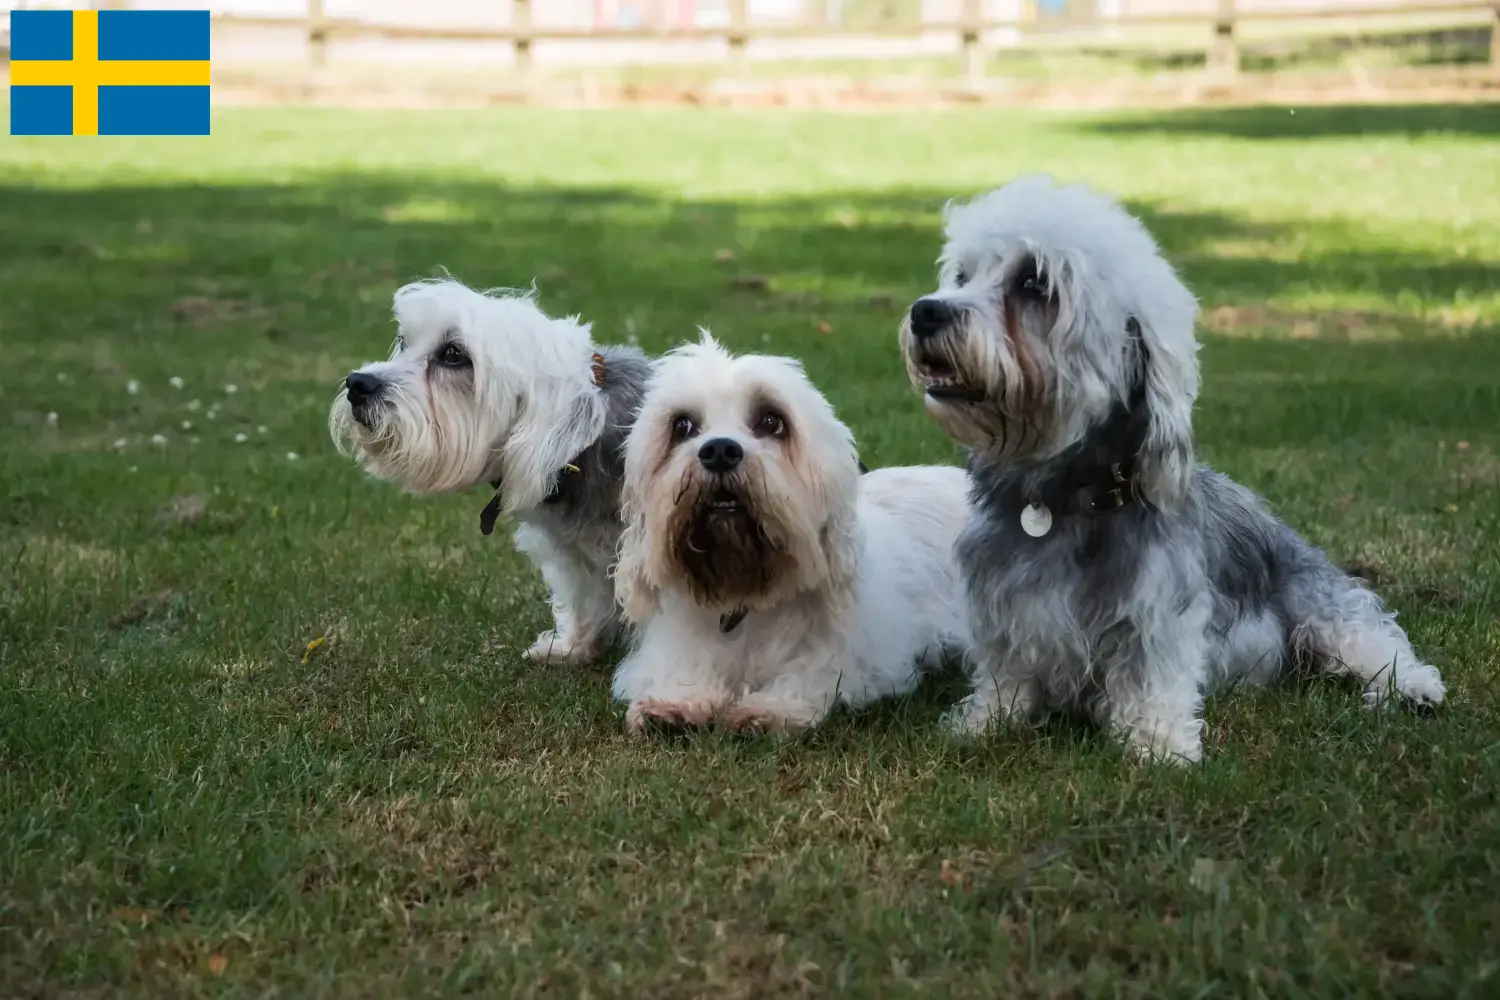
[361,387]
[929,316]
[720,455]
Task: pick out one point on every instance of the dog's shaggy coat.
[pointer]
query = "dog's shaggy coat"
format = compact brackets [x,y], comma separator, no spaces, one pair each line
[486,389]
[1105,569]
[769,578]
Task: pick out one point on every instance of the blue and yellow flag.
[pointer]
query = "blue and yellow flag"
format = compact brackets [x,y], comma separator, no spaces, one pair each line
[109,72]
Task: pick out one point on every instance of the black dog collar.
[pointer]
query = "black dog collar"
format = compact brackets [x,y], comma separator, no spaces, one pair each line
[491,512]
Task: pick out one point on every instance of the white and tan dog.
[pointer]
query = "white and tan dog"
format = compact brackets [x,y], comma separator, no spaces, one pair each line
[486,388]
[769,579]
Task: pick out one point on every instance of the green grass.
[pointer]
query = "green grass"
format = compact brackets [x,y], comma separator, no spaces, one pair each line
[189,808]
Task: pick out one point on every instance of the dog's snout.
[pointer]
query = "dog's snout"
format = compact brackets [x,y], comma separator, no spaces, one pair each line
[361,387]
[929,316]
[720,455]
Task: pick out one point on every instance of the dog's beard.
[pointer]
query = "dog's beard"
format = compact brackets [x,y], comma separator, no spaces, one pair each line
[731,546]
[436,448]
[979,385]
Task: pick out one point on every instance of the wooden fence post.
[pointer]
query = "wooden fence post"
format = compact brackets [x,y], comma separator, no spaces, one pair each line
[739,37]
[520,23]
[1224,56]
[317,35]
[1495,37]
[970,55]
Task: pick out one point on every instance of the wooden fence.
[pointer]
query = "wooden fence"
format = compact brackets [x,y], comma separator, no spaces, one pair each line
[1220,29]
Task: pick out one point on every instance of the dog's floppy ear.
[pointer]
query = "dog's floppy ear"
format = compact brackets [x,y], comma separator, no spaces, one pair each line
[841,540]
[637,595]
[634,592]
[1168,353]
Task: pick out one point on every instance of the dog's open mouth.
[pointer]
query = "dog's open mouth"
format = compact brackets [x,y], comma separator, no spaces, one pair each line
[724,501]
[942,381]
[722,515]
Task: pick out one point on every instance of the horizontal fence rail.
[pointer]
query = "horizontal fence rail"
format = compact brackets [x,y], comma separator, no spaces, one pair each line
[1220,25]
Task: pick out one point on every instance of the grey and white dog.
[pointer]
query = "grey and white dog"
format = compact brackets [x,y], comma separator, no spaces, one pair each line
[1106,570]
[486,388]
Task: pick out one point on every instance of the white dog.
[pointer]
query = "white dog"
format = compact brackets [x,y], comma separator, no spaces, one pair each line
[486,388]
[768,577]
[1106,569]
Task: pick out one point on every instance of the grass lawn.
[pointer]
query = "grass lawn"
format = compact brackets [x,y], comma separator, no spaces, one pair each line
[192,803]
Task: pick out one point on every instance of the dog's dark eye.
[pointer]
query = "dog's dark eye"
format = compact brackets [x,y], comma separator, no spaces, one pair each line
[682,427]
[961,277]
[453,356]
[1033,287]
[770,424]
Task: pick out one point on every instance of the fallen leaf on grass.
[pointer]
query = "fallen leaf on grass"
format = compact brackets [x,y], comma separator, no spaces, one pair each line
[135,915]
[825,329]
[1462,446]
[724,256]
[311,646]
[217,964]
[952,875]
[751,282]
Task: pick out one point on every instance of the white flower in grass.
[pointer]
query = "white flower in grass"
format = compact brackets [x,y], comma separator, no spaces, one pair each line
[52,419]
[240,439]
[291,456]
[187,425]
[261,429]
[160,440]
[213,413]
[176,381]
[231,389]
[193,406]
[120,444]
[192,440]
[133,387]
[62,378]
[135,468]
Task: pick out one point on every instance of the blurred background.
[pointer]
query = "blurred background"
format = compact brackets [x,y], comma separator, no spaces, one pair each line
[821,52]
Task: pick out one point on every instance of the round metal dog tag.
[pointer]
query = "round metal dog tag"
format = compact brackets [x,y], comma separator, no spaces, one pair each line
[1036,520]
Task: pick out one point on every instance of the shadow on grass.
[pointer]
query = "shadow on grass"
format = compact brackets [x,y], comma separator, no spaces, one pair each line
[299,276]
[1328,122]
[329,241]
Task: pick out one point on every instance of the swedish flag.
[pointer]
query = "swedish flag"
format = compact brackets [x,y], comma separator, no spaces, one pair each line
[109,72]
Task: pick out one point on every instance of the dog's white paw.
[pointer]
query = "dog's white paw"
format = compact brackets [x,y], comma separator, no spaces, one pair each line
[680,713]
[991,703]
[754,714]
[550,649]
[972,716]
[1421,684]
[1165,741]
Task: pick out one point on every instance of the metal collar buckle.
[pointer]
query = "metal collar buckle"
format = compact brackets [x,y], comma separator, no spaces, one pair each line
[1109,500]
